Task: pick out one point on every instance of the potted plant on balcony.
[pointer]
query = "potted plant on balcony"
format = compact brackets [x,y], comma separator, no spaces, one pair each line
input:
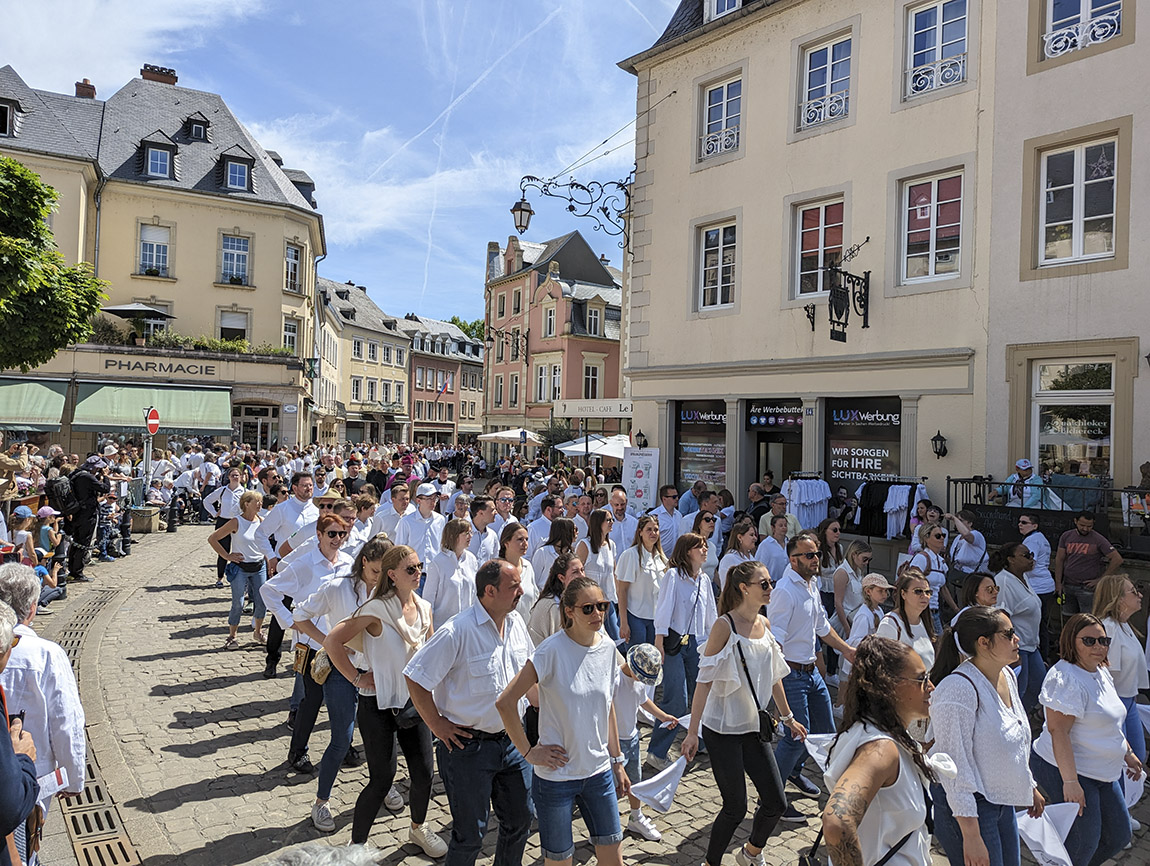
[151,272]
[236,279]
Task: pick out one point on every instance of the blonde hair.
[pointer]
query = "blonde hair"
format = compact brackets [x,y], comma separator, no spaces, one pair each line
[251,496]
[1108,595]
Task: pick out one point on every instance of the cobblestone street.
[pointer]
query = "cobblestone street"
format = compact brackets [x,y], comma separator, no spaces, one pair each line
[191,740]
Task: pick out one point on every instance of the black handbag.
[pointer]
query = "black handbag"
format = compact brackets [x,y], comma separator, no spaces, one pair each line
[767,723]
[675,641]
[406,716]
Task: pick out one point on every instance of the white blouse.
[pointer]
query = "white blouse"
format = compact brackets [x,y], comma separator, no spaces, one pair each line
[600,567]
[450,584]
[1127,661]
[1096,736]
[644,572]
[730,561]
[389,653]
[918,639]
[730,708]
[852,597]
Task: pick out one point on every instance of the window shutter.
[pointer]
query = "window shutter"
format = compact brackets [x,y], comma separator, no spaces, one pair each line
[234,320]
[154,234]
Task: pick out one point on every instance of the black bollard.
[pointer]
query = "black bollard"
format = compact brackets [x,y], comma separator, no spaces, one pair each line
[173,516]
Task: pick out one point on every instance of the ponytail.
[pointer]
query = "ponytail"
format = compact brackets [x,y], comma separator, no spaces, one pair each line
[962,639]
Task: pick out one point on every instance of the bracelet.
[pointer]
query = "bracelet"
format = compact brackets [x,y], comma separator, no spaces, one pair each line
[789,717]
[355,682]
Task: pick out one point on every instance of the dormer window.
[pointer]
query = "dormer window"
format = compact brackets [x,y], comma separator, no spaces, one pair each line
[5,119]
[159,162]
[237,175]
[718,8]
[199,132]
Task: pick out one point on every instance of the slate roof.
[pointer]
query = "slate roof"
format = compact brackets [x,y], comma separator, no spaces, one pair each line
[367,314]
[425,327]
[42,125]
[688,18]
[612,296]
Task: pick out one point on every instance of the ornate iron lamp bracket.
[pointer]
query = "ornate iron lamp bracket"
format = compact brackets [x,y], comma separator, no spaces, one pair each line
[606,203]
[847,291]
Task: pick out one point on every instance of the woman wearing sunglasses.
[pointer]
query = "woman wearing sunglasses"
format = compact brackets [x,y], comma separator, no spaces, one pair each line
[312,567]
[979,720]
[1009,564]
[1082,751]
[707,525]
[742,542]
[909,623]
[390,627]
[741,670]
[931,563]
[578,760]
[597,551]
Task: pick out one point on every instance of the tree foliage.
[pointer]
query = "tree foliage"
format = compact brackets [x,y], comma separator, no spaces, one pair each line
[45,304]
[472,329]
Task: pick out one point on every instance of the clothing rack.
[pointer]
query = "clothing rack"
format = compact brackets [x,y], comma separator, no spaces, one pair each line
[798,476]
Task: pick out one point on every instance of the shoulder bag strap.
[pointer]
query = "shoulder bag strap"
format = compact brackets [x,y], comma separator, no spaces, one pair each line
[743,659]
[977,700]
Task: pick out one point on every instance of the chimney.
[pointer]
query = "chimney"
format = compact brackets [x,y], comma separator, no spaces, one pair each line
[162,74]
[604,261]
[553,270]
[85,89]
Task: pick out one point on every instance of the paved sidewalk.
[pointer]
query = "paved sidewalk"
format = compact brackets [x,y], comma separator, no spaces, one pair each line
[192,742]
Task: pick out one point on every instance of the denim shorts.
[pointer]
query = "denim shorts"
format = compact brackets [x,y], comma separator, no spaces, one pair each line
[595,797]
[634,767]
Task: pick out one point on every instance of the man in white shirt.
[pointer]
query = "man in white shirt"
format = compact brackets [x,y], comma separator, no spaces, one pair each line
[504,502]
[575,488]
[484,542]
[388,513]
[623,531]
[583,507]
[538,531]
[281,522]
[454,680]
[423,530]
[670,521]
[444,486]
[38,680]
[554,489]
[772,551]
[798,622]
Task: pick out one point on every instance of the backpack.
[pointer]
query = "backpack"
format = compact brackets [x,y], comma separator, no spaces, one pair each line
[61,496]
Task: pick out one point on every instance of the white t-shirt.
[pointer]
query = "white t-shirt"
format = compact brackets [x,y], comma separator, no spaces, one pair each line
[1096,736]
[1127,661]
[576,688]
[644,572]
[918,639]
[630,694]
[936,577]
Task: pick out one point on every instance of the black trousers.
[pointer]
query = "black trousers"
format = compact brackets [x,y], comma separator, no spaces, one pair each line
[82,527]
[226,544]
[276,638]
[381,735]
[732,755]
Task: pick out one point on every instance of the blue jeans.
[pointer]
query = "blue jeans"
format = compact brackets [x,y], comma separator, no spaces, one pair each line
[1135,734]
[611,623]
[1103,828]
[679,674]
[51,593]
[1030,680]
[482,775]
[245,581]
[811,703]
[340,697]
[595,797]
[634,766]
[997,825]
[642,630]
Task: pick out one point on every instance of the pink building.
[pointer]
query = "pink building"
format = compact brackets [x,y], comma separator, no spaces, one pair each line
[553,315]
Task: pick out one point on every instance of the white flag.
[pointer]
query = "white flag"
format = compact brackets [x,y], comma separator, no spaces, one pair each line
[658,792]
[1045,835]
[818,746]
[1134,789]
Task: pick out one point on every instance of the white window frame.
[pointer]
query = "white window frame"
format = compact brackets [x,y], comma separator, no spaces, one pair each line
[398,356]
[595,317]
[154,253]
[372,389]
[822,206]
[199,131]
[549,322]
[356,389]
[6,114]
[247,329]
[386,353]
[831,105]
[418,377]
[720,250]
[357,348]
[167,162]
[499,351]
[516,302]
[939,71]
[933,227]
[1040,398]
[439,380]
[399,392]
[1077,218]
[513,394]
[499,390]
[235,249]
[501,305]
[1100,21]
[556,382]
[384,391]
[592,381]
[291,334]
[721,135]
[541,383]
[293,257]
[233,169]
[418,410]
[373,351]
[713,9]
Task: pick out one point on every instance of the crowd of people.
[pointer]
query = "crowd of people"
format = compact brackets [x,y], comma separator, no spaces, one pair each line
[514,632]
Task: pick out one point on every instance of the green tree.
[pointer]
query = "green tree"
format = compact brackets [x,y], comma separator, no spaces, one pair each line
[45,305]
[472,329]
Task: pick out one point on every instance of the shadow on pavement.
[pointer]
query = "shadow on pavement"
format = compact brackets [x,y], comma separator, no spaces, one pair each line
[220,742]
[242,847]
[227,786]
[200,631]
[199,614]
[173,655]
[209,685]
[240,712]
[175,587]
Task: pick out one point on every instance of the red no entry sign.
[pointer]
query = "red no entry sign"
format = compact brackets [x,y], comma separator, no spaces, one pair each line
[152,416]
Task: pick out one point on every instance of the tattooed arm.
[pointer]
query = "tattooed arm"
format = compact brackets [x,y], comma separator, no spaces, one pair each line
[874,766]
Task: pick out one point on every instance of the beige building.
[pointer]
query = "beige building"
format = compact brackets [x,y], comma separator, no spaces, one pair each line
[775,141]
[177,207]
[374,352]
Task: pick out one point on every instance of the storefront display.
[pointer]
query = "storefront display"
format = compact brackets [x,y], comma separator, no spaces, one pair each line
[778,428]
[701,443]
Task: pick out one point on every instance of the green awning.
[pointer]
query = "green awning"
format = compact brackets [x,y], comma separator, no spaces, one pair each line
[34,406]
[118,407]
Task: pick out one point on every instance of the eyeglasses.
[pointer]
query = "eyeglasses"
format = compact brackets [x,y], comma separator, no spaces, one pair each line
[921,592]
[922,680]
[413,570]
[506,499]
[591,607]
[336,533]
[809,555]
[326,506]
[1090,641]
[671,496]
[1008,633]
[764,584]
[937,535]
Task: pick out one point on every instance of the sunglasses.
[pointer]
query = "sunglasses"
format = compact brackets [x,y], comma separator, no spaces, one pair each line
[707,519]
[809,555]
[336,533]
[506,499]
[921,592]
[326,506]
[671,496]
[921,680]
[1091,641]
[1026,555]
[1008,633]
[937,535]
[591,607]
[765,585]
[413,570]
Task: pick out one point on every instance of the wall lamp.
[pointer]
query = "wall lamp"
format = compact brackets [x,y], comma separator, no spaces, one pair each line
[938,444]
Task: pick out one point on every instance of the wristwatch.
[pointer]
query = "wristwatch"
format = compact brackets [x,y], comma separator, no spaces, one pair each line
[618,759]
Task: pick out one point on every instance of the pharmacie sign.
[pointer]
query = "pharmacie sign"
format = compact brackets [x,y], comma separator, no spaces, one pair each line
[164,368]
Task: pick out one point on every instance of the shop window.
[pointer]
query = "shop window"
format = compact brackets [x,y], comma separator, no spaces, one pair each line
[1073,415]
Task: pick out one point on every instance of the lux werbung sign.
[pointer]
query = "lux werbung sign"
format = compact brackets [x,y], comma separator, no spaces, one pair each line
[160,367]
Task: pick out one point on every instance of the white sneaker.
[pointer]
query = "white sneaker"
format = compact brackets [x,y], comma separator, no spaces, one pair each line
[321,817]
[394,800]
[432,845]
[656,763]
[745,859]
[643,826]
[1134,825]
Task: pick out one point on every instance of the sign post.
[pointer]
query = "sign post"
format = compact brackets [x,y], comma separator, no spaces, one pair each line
[152,423]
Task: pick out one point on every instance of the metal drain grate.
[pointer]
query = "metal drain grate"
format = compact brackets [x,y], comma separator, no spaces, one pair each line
[94,823]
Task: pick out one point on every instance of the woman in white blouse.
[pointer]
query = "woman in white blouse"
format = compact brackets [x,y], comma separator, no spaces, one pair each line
[450,584]
[686,607]
[741,670]
[1010,564]
[707,525]
[876,773]
[979,721]
[597,551]
[1082,751]
[909,622]
[561,539]
[577,761]
[513,543]
[545,616]
[638,574]
[742,542]
[1116,599]
[397,622]
[848,584]
[931,563]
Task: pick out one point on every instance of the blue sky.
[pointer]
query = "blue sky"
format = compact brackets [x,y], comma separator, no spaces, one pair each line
[416,120]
